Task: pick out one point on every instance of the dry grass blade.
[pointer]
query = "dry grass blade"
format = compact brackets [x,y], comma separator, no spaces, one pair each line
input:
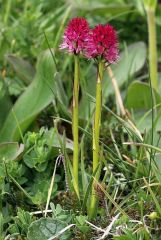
[61,232]
[120,102]
[51,186]
[143,145]
[108,229]
[40,212]
[95,227]
[117,91]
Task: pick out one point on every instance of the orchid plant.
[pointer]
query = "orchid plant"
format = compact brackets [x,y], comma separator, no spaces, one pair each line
[75,37]
[103,47]
[100,44]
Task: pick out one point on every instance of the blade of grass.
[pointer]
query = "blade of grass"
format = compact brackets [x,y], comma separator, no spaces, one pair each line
[89,188]
[143,145]
[66,159]
[66,15]
[112,200]
[153,196]
[83,171]
[89,135]
[68,165]
[19,186]
[52,54]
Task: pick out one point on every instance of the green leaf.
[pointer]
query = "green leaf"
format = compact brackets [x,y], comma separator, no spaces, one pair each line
[139,96]
[59,90]
[22,68]
[81,219]
[5,103]
[23,220]
[36,97]
[2,222]
[39,191]
[143,120]
[10,151]
[81,223]
[104,10]
[52,140]
[45,228]
[139,100]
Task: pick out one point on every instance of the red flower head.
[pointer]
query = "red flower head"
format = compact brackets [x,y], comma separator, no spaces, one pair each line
[75,35]
[102,42]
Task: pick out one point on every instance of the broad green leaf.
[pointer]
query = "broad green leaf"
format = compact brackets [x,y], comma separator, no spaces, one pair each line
[36,97]
[142,120]
[45,228]
[158,163]
[22,68]
[62,101]
[158,121]
[10,151]
[102,9]
[139,100]
[5,103]
[59,90]
[52,140]
[139,96]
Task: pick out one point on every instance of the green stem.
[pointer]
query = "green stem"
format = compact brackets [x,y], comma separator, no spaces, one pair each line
[97,117]
[152,47]
[75,124]
[96,134]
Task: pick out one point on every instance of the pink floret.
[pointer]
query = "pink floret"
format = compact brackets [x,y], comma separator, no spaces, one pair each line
[102,42]
[75,36]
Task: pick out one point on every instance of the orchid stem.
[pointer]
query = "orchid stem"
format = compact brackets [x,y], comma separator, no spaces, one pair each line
[75,124]
[96,135]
